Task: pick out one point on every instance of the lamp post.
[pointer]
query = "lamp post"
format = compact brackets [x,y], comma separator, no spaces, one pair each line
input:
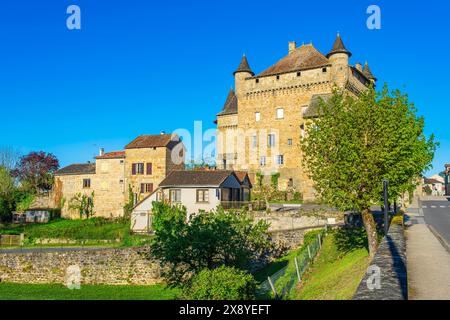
[385,194]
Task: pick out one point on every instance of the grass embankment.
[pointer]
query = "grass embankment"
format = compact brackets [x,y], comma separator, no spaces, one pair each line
[90,232]
[335,273]
[14,291]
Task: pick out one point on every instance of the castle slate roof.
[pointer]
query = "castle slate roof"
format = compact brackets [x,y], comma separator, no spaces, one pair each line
[244,66]
[313,110]
[231,104]
[302,58]
[196,178]
[75,169]
[338,47]
[153,141]
[112,155]
[368,73]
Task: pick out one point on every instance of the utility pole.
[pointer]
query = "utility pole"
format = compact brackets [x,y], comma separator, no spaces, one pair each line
[385,194]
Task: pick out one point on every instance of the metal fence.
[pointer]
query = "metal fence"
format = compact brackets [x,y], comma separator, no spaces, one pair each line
[282,283]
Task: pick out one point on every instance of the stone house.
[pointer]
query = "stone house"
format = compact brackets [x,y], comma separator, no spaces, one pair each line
[264,118]
[196,190]
[139,168]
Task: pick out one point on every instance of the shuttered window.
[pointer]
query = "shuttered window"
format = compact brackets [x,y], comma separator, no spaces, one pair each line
[149,168]
[146,187]
[137,168]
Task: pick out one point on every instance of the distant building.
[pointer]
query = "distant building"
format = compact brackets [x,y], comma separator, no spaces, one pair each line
[263,120]
[437,186]
[144,163]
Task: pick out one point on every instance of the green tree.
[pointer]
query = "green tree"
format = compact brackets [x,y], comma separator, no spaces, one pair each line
[7,194]
[209,240]
[82,203]
[223,283]
[356,143]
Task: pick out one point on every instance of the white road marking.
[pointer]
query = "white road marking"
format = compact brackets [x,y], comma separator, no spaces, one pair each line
[433,206]
[442,206]
[426,207]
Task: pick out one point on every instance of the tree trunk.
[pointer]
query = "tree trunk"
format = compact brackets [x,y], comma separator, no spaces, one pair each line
[371,230]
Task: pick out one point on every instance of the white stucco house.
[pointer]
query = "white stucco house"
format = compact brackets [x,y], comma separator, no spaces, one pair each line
[195,190]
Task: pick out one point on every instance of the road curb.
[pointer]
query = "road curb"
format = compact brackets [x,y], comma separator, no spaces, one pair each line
[439,237]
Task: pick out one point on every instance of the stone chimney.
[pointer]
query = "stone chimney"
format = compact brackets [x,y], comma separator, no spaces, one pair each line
[358,66]
[292,46]
[101,152]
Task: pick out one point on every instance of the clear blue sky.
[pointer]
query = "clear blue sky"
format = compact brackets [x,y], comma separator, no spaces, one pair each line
[140,67]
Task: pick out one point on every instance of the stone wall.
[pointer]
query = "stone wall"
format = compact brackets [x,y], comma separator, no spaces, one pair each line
[101,266]
[391,259]
[292,238]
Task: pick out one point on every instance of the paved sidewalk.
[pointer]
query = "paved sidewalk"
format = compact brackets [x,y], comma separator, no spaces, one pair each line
[428,261]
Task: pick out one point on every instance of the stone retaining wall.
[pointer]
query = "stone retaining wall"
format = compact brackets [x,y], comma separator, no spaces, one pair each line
[105,266]
[391,261]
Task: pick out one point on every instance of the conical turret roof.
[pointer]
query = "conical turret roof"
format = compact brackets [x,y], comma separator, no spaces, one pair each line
[230,106]
[244,66]
[368,73]
[338,47]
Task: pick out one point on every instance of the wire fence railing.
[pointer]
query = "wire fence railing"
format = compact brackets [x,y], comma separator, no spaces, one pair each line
[282,283]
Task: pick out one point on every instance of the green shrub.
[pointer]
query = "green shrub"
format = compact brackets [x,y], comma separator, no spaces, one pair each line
[224,283]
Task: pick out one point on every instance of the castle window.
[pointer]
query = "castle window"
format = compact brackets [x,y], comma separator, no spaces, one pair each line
[121,161]
[86,183]
[278,77]
[279,159]
[271,140]
[324,70]
[289,142]
[254,141]
[299,74]
[257,81]
[262,161]
[257,116]
[280,113]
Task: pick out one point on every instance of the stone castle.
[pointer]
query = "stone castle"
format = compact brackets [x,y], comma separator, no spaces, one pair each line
[263,120]
[115,176]
[259,130]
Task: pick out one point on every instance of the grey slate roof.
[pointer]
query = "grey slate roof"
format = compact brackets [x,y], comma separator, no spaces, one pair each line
[244,66]
[368,73]
[231,104]
[313,110]
[77,169]
[196,178]
[338,47]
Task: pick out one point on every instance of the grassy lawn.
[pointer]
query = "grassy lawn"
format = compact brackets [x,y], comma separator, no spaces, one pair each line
[85,232]
[334,275]
[13,291]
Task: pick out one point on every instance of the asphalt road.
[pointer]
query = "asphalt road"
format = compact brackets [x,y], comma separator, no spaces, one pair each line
[437,214]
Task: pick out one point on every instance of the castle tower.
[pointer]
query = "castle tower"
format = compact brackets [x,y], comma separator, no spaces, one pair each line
[241,73]
[338,57]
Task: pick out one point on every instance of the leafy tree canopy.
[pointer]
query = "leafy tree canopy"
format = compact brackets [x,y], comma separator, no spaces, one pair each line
[356,143]
[209,240]
[35,171]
